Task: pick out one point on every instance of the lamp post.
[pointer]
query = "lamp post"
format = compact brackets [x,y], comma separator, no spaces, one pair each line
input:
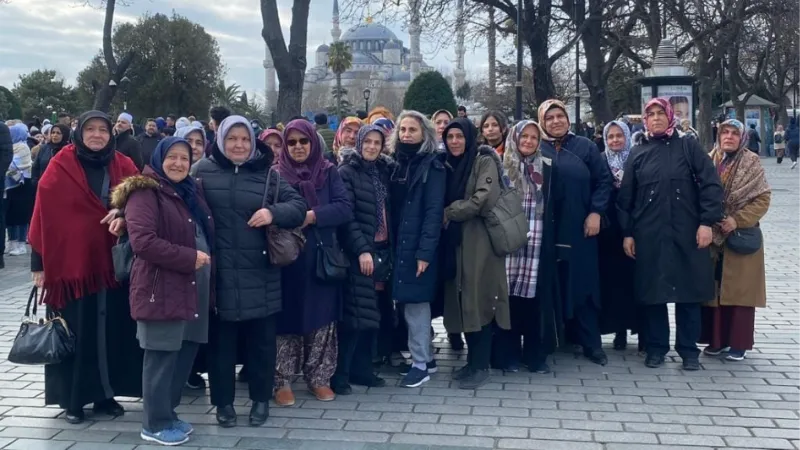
[367,93]
[579,16]
[124,83]
[794,95]
[518,86]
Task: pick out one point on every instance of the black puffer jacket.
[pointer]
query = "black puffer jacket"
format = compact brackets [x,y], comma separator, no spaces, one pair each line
[248,286]
[360,307]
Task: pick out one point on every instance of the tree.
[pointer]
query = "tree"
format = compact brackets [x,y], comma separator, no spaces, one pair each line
[290,63]
[340,60]
[342,107]
[430,92]
[12,110]
[105,88]
[226,95]
[43,92]
[178,69]
[464,91]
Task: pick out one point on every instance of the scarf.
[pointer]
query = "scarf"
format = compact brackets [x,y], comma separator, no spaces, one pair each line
[667,107]
[460,168]
[616,160]
[337,139]
[742,175]
[406,152]
[66,230]
[102,157]
[187,188]
[312,174]
[546,106]
[65,132]
[525,172]
[225,128]
[381,193]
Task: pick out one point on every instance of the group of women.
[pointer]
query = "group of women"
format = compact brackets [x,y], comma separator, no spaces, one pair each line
[394,234]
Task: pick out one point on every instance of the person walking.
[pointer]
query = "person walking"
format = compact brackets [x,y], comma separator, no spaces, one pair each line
[792,137]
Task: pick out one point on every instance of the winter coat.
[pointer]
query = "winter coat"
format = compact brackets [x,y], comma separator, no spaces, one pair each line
[667,192]
[40,162]
[327,135]
[162,235]
[248,286]
[360,305]
[583,186]
[6,148]
[417,224]
[129,146]
[147,144]
[792,135]
[479,292]
[753,140]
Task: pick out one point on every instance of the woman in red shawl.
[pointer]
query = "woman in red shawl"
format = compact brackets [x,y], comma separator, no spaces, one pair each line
[71,261]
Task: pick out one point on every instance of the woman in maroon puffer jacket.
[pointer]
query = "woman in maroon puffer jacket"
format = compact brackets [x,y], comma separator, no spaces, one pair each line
[171,230]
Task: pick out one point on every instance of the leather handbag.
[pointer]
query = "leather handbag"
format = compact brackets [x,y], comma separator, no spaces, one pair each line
[41,341]
[745,241]
[283,245]
[332,264]
[382,262]
[122,256]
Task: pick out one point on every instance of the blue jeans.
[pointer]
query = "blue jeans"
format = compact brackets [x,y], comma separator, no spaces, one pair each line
[18,233]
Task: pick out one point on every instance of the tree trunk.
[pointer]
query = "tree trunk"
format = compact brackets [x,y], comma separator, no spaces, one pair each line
[594,76]
[105,95]
[492,43]
[705,92]
[339,95]
[543,86]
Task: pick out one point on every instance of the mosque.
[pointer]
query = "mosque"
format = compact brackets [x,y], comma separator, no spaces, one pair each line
[380,60]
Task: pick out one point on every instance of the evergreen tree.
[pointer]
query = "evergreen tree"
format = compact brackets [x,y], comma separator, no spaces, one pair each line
[428,93]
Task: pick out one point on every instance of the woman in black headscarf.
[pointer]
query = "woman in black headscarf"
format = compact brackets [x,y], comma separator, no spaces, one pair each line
[59,138]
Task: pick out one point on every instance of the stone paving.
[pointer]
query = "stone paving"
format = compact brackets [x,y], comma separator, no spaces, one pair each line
[580,406]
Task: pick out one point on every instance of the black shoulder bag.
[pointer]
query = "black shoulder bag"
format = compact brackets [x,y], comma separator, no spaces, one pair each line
[41,341]
[332,264]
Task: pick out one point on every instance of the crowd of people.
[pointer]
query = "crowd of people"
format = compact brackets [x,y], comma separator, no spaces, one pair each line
[302,250]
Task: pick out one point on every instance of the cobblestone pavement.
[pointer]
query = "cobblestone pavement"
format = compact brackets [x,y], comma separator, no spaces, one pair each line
[580,406]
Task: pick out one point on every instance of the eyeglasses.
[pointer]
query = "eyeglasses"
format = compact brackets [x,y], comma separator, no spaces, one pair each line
[293,142]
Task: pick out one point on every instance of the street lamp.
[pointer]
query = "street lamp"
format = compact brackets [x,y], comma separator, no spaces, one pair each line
[124,82]
[367,93]
[518,85]
[795,95]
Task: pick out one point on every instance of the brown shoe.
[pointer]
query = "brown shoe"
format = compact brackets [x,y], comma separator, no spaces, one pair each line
[323,393]
[284,396]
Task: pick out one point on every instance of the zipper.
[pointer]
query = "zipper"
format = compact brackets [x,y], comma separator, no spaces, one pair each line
[155,282]
[235,244]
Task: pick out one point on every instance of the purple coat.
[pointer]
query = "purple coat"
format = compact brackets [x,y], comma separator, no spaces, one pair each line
[162,235]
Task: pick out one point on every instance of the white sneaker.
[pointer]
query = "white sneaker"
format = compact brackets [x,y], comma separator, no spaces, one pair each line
[794,164]
[19,249]
[9,246]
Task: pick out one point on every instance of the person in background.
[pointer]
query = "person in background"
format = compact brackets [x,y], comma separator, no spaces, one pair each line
[599,141]
[780,143]
[669,199]
[217,115]
[45,140]
[580,196]
[126,143]
[416,191]
[149,140]
[475,284]
[274,139]
[307,336]
[619,310]
[182,122]
[440,120]
[171,233]
[345,138]
[192,118]
[753,139]
[171,118]
[493,127]
[196,138]
[387,126]
[688,131]
[378,112]
[73,124]
[161,123]
[71,237]
[6,155]
[64,119]
[361,114]
[792,136]
[728,321]
[167,132]
[19,192]
[59,138]
[462,111]
[324,130]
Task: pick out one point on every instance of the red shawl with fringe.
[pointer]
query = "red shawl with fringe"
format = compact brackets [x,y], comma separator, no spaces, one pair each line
[66,230]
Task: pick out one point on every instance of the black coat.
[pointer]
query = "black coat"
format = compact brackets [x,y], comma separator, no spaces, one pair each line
[670,188]
[129,146]
[41,161]
[6,148]
[360,308]
[248,286]
[147,144]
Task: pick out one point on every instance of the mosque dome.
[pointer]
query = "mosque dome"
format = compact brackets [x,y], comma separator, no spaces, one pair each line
[369,31]
[393,44]
[323,48]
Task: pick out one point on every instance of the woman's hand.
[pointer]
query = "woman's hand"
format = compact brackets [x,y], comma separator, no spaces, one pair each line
[728,225]
[422,266]
[261,218]
[110,216]
[703,236]
[117,227]
[365,262]
[38,279]
[202,260]
[591,226]
[311,218]
[629,246]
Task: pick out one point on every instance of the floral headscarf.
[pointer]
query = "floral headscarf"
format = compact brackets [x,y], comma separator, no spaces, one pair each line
[667,107]
[616,160]
[547,105]
[516,166]
[346,122]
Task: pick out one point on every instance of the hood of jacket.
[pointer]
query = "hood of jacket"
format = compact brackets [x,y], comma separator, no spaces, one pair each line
[122,192]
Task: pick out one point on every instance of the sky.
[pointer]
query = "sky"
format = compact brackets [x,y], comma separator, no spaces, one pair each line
[65,34]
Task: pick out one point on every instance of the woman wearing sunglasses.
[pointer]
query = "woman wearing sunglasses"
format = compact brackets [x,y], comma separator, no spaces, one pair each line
[307,327]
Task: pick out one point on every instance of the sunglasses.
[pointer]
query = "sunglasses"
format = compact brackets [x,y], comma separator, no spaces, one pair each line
[293,142]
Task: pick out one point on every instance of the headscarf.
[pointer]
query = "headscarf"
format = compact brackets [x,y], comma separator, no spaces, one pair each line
[270,132]
[378,111]
[723,160]
[19,133]
[667,107]
[99,158]
[461,168]
[387,126]
[616,160]
[226,126]
[346,122]
[312,174]
[380,189]
[517,166]
[184,132]
[439,111]
[183,122]
[197,123]
[546,106]
[65,132]
[187,188]
[46,129]
[160,123]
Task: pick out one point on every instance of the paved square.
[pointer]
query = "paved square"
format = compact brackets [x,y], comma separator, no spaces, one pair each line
[580,406]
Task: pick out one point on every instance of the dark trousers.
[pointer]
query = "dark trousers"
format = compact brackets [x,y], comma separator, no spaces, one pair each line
[354,361]
[687,329]
[260,358]
[585,326]
[523,342]
[479,348]
[163,377]
[2,225]
[393,333]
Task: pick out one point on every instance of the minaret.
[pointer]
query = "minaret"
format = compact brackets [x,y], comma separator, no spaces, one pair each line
[335,31]
[415,58]
[459,74]
[271,92]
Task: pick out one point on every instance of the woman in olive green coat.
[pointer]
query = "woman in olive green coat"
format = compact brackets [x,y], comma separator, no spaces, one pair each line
[476,288]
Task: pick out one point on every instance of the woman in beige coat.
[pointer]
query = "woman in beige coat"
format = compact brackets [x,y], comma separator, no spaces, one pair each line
[476,288]
[729,320]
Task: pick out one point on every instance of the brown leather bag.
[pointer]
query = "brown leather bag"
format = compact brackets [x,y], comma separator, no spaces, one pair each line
[284,245]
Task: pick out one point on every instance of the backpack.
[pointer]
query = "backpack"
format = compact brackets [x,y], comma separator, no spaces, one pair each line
[779,138]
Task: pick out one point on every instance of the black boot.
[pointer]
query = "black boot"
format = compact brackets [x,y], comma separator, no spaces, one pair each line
[226,416]
[456,342]
[259,413]
[74,417]
[621,340]
[597,356]
[109,407]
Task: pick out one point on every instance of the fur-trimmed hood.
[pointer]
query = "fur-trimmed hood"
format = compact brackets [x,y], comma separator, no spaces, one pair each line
[122,192]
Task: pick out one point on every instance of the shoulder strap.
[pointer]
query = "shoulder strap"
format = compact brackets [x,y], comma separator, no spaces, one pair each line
[688,158]
[277,177]
[105,191]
